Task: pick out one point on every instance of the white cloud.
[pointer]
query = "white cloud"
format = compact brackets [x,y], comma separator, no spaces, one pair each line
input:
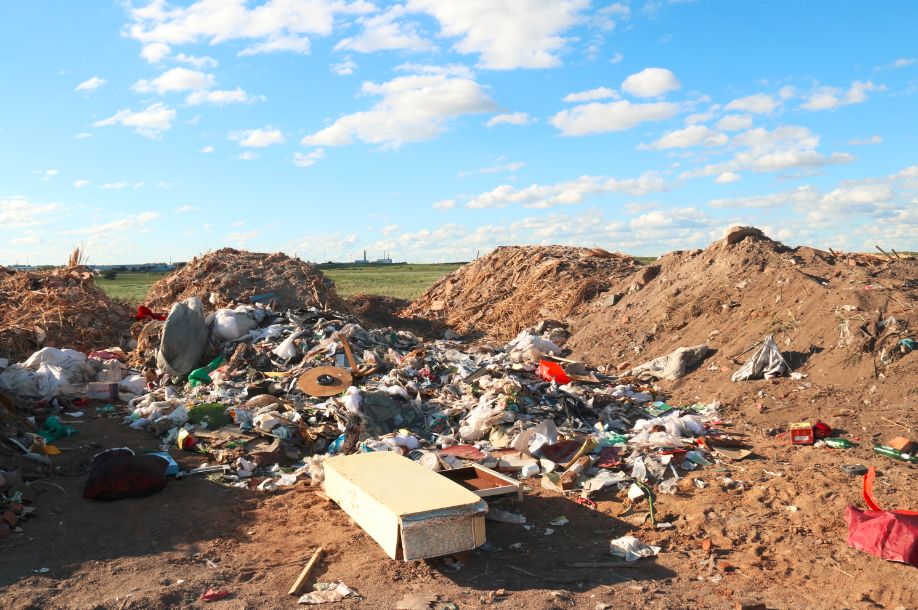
[131,223]
[496,169]
[344,68]
[47,174]
[247,156]
[759,103]
[412,109]
[693,135]
[902,62]
[308,159]
[592,95]
[19,212]
[150,122]
[444,204]
[386,32]
[735,122]
[827,98]
[390,229]
[120,185]
[184,209]
[799,195]
[506,35]
[513,118]
[204,62]
[80,183]
[566,193]
[83,135]
[222,97]
[270,26]
[28,240]
[727,178]
[176,79]
[702,117]
[258,138]
[617,58]
[437,69]
[207,149]
[651,82]
[612,116]
[155,52]
[90,84]
[862,141]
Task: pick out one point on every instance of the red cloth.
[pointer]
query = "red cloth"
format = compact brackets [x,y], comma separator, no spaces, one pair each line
[144,312]
[887,534]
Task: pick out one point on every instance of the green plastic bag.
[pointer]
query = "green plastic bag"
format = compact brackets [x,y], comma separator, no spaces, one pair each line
[55,430]
[202,375]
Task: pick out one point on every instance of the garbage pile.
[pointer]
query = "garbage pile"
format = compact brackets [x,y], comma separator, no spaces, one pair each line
[61,307]
[505,291]
[228,277]
[283,389]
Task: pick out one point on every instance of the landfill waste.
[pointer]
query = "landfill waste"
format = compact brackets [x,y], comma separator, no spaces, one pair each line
[632,549]
[213,595]
[767,362]
[48,373]
[184,338]
[115,474]
[672,366]
[61,307]
[327,593]
[887,534]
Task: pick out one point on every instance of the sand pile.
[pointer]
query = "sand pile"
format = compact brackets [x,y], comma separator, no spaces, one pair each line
[59,308]
[838,316]
[517,286]
[237,276]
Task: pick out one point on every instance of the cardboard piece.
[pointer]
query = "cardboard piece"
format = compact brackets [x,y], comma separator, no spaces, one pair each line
[412,512]
[324,381]
[484,482]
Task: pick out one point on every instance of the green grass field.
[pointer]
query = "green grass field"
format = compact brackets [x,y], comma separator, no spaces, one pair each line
[402,281]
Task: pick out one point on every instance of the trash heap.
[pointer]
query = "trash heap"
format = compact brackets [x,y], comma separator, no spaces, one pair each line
[505,291]
[61,307]
[285,389]
[228,277]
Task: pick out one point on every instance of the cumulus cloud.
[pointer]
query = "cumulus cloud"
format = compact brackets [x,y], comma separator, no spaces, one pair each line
[386,31]
[207,149]
[19,212]
[828,98]
[344,68]
[444,204]
[150,122]
[202,62]
[500,166]
[693,135]
[566,193]
[759,103]
[91,84]
[735,122]
[727,178]
[184,209]
[651,82]
[506,35]
[80,183]
[308,159]
[512,118]
[247,156]
[269,27]
[176,79]
[599,93]
[258,138]
[599,117]
[222,97]
[131,223]
[413,108]
[47,174]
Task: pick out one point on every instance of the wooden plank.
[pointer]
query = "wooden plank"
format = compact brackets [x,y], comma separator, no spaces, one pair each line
[306,573]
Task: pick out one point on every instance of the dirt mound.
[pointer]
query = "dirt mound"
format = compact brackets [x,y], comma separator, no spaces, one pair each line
[517,286]
[378,311]
[838,317]
[59,308]
[236,276]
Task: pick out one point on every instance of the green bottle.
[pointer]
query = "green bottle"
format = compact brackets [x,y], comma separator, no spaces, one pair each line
[895,454]
[839,443]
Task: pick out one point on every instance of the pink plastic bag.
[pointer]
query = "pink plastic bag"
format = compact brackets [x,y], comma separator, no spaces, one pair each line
[887,534]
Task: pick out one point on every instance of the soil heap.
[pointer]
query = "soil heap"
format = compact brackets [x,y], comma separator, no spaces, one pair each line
[838,315]
[230,276]
[514,287]
[58,308]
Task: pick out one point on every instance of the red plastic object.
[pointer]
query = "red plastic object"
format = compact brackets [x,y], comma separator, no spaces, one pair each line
[144,312]
[887,534]
[552,371]
[213,595]
[822,430]
[609,457]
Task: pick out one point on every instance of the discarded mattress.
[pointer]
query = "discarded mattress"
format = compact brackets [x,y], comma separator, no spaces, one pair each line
[412,512]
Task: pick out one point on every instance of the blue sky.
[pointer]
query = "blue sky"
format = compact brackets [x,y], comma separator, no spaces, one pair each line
[435,130]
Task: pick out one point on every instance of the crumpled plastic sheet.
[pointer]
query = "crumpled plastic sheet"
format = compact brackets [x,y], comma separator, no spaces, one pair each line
[631,549]
[766,363]
[327,593]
